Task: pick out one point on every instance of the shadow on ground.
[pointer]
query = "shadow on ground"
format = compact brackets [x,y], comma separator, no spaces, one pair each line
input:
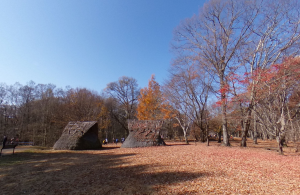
[82,173]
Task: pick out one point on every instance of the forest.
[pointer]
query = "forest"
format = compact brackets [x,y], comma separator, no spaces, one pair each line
[235,73]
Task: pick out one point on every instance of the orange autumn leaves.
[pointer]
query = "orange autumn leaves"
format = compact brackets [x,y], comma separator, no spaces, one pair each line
[152,105]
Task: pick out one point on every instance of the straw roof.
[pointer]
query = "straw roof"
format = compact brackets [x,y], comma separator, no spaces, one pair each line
[144,133]
[79,136]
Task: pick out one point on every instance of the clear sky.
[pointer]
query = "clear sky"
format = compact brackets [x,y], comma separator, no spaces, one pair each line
[88,43]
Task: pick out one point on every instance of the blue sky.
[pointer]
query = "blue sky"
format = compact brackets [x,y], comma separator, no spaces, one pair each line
[88,43]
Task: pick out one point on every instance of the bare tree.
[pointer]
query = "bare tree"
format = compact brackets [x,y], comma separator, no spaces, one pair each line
[273,92]
[233,36]
[187,90]
[125,91]
[276,34]
[180,110]
[214,38]
[45,108]
[3,103]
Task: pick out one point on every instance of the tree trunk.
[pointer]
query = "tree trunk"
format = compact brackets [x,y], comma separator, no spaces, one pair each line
[265,136]
[224,119]
[280,141]
[45,137]
[219,136]
[185,137]
[254,131]
[281,135]
[245,133]
[255,137]
[202,135]
[207,136]
[244,137]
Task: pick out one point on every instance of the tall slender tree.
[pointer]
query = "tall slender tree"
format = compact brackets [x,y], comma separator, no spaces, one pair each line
[151,104]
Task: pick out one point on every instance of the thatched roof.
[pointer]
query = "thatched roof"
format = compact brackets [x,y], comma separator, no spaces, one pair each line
[79,136]
[143,133]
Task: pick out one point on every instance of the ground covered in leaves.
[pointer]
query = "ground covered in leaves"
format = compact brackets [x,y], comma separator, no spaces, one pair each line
[173,169]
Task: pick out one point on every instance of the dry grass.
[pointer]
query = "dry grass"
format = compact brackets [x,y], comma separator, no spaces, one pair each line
[174,169]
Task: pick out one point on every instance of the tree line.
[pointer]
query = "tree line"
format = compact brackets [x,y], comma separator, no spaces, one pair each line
[39,112]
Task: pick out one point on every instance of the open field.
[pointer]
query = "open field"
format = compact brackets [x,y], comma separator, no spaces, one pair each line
[174,169]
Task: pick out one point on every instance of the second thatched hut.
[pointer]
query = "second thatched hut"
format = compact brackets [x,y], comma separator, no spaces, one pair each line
[144,133]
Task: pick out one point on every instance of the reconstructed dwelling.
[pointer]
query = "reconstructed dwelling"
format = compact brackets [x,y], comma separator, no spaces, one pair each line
[144,133]
[79,136]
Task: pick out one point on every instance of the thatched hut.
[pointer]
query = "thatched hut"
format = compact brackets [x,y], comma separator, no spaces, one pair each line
[79,136]
[144,133]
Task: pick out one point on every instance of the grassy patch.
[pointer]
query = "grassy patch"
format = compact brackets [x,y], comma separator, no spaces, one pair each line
[22,155]
[11,160]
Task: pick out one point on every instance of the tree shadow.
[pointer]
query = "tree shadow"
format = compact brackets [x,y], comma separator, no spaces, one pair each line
[79,172]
